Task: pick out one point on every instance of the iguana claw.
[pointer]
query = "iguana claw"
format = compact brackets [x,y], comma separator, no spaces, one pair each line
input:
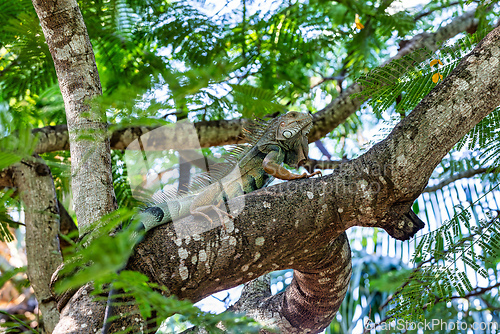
[218,211]
[318,172]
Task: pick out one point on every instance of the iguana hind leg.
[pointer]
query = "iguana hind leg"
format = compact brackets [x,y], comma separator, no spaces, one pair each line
[198,211]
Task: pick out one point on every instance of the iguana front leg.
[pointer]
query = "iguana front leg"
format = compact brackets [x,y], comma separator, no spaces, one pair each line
[271,167]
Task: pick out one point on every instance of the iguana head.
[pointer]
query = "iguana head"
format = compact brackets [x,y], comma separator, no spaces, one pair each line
[289,132]
[293,124]
[291,135]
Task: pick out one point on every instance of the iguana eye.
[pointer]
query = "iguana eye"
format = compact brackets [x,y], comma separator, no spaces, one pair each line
[287,134]
[282,124]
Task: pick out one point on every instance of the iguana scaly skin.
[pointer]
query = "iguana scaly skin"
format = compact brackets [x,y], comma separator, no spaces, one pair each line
[250,167]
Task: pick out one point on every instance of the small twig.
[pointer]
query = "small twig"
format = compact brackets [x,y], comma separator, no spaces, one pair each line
[325,79]
[16,223]
[171,114]
[429,12]
[220,10]
[462,175]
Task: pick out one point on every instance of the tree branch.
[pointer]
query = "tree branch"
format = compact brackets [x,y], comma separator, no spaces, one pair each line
[34,182]
[462,175]
[430,11]
[224,132]
[325,79]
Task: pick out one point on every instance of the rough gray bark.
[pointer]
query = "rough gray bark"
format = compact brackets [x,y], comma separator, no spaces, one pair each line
[41,215]
[224,132]
[69,44]
[288,311]
[67,224]
[324,285]
[67,38]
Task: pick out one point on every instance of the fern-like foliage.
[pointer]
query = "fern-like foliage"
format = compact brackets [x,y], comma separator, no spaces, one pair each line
[6,201]
[123,46]
[483,2]
[255,101]
[192,36]
[484,138]
[483,132]
[16,146]
[25,63]
[438,276]
[39,110]
[60,167]
[123,193]
[403,83]
[362,49]
[122,41]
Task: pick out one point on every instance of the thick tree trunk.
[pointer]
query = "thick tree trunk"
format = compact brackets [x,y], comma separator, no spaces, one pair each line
[69,45]
[92,184]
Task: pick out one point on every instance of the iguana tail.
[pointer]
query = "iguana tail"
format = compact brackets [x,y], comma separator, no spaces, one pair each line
[164,213]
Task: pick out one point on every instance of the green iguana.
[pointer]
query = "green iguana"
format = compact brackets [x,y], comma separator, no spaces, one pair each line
[249,167]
